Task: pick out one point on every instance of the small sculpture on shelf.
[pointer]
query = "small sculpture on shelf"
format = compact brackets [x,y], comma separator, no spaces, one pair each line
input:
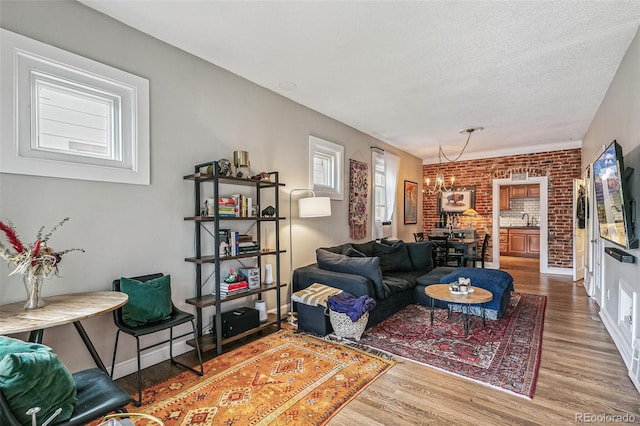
[224,168]
[269,211]
[233,277]
[262,176]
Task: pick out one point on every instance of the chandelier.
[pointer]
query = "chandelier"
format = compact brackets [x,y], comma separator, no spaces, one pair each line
[440,185]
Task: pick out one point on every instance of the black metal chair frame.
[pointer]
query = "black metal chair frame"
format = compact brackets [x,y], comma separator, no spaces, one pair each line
[474,259]
[97,394]
[418,236]
[441,252]
[177,317]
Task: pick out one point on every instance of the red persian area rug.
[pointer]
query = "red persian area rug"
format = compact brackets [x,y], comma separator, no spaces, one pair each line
[285,378]
[504,354]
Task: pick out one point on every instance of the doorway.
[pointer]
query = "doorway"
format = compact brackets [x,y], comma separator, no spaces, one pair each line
[579,227]
[542,221]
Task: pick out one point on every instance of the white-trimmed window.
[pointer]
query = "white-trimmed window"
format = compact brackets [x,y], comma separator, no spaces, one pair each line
[379,188]
[68,116]
[385,182]
[326,161]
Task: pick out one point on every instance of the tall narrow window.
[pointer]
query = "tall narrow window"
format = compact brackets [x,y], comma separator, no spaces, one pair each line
[380,198]
[385,170]
[326,160]
[73,117]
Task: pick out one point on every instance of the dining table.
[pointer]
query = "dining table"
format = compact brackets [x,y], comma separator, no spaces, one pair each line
[464,245]
[60,310]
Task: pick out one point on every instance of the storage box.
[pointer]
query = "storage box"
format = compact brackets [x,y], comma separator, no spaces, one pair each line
[253,276]
[312,319]
[238,321]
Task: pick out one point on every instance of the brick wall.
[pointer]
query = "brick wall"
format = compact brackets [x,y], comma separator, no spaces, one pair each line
[560,166]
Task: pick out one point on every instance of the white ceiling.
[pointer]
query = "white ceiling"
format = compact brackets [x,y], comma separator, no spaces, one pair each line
[412,74]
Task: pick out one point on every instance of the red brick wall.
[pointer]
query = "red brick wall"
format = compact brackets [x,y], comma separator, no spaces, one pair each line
[560,166]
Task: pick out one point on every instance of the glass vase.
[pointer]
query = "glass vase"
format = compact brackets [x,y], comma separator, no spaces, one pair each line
[33,285]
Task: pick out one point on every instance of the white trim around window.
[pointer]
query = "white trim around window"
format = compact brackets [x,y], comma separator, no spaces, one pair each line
[67,116]
[326,168]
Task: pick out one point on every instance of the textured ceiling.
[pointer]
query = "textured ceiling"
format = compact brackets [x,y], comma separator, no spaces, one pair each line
[412,74]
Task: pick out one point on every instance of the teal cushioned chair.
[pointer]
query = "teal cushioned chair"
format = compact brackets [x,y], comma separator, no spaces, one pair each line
[97,395]
[176,317]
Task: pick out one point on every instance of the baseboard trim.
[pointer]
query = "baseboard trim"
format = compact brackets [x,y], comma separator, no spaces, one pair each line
[624,348]
[557,271]
[150,357]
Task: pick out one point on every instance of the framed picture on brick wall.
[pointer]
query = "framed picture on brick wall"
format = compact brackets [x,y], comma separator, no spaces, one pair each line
[457,200]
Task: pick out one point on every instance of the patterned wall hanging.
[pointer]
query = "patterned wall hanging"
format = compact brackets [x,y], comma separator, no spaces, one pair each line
[358,199]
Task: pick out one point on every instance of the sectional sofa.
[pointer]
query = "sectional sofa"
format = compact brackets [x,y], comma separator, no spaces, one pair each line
[394,273]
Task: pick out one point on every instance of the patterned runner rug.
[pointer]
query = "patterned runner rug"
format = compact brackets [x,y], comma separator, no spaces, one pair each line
[504,354]
[284,378]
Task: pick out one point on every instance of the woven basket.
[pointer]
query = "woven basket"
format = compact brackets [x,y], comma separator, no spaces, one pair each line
[344,327]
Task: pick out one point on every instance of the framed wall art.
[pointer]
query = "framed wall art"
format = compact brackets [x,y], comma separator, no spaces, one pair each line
[410,202]
[457,200]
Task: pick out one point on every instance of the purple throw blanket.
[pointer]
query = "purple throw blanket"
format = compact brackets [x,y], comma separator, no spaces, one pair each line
[347,303]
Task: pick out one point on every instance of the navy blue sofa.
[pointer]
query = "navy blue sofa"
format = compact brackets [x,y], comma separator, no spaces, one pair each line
[394,273]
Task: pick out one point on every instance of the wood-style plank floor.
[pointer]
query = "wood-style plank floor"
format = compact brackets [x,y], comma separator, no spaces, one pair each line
[581,375]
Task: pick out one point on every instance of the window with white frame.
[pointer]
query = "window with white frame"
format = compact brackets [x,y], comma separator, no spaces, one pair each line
[385,175]
[379,187]
[326,161]
[71,117]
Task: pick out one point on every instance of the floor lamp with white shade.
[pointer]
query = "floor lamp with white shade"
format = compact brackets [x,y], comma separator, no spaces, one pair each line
[308,207]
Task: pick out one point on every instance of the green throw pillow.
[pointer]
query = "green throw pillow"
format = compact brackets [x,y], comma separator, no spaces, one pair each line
[420,255]
[149,301]
[393,258]
[32,376]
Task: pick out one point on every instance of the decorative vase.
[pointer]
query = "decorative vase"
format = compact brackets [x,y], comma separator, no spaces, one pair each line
[33,285]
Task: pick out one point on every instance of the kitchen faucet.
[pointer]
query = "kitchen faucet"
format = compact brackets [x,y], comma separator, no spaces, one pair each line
[527,215]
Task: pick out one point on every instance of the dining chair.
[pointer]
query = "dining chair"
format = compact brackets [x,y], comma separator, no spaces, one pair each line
[176,317]
[474,258]
[98,395]
[418,236]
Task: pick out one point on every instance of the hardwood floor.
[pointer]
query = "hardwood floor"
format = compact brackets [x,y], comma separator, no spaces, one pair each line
[581,375]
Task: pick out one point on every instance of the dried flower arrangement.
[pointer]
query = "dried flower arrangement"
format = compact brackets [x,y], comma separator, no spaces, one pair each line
[36,259]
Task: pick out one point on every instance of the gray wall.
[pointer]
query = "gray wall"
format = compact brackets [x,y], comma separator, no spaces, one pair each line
[618,117]
[199,112]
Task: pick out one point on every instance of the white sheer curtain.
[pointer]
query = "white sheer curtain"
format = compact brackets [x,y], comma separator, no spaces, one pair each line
[391,169]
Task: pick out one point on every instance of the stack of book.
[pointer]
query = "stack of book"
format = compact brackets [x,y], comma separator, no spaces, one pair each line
[246,245]
[233,243]
[236,205]
[226,207]
[229,289]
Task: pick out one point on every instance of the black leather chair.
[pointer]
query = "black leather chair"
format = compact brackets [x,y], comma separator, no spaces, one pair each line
[97,394]
[177,317]
[474,257]
[418,236]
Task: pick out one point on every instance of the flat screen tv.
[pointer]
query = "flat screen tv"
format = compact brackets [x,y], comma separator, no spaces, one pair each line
[612,199]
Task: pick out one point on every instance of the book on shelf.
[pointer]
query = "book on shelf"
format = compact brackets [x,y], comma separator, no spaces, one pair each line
[225,293]
[242,205]
[252,248]
[244,238]
[233,286]
[226,201]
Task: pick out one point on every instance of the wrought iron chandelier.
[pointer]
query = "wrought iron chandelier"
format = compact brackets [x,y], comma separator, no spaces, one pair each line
[440,185]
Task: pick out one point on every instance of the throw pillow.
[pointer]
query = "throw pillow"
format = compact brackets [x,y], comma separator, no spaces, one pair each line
[32,376]
[365,248]
[420,255]
[368,267]
[351,252]
[149,301]
[393,258]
